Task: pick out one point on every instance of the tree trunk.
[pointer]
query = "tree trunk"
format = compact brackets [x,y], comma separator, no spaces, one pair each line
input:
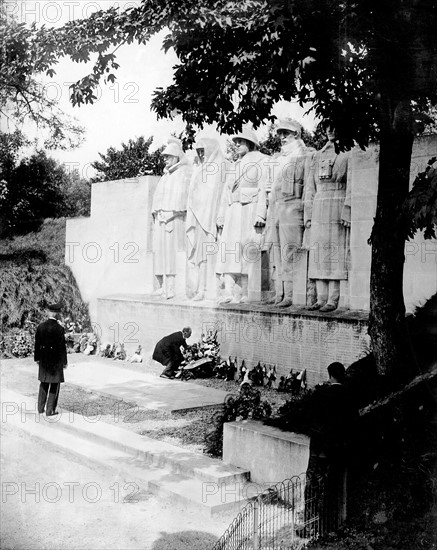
[387,327]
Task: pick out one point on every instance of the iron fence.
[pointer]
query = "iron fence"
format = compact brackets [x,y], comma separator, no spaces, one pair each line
[285,517]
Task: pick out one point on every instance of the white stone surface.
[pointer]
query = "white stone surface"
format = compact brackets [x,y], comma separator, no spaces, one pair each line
[110,252]
[270,454]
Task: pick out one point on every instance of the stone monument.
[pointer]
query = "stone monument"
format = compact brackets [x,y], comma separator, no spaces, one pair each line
[169,211]
[204,198]
[285,222]
[328,216]
[244,208]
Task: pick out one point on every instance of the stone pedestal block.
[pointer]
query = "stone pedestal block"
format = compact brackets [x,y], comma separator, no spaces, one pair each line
[270,454]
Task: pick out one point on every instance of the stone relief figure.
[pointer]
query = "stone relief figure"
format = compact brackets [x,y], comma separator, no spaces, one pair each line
[285,222]
[169,208]
[244,208]
[328,214]
[204,199]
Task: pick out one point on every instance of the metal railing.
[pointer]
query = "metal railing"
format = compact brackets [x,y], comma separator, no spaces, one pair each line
[286,516]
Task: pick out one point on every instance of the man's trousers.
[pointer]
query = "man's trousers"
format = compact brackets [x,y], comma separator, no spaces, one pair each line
[49,403]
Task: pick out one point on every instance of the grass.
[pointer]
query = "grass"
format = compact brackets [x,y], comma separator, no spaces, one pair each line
[32,271]
[49,241]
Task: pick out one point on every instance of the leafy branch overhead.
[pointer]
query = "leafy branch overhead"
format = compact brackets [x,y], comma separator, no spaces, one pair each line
[238,58]
[419,211]
[25,54]
[368,66]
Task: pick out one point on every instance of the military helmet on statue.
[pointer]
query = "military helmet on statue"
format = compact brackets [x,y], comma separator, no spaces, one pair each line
[289,124]
[248,134]
[174,147]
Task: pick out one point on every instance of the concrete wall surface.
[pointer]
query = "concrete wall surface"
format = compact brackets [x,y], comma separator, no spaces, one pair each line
[270,454]
[420,270]
[298,339]
[111,250]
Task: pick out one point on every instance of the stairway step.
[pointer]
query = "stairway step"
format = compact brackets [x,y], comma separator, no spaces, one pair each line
[216,499]
[152,451]
[203,493]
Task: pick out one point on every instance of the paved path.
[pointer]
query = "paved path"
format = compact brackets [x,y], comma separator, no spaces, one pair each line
[148,391]
[51,499]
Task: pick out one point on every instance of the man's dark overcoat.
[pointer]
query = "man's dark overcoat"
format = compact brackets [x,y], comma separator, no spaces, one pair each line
[167,350]
[50,351]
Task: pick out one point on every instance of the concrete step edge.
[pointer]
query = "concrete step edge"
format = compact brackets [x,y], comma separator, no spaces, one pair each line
[206,498]
[185,492]
[152,451]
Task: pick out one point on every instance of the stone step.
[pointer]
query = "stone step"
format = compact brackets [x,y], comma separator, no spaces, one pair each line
[210,490]
[152,451]
[217,499]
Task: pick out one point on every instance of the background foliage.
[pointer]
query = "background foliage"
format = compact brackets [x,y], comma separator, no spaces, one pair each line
[23,98]
[32,271]
[36,188]
[133,159]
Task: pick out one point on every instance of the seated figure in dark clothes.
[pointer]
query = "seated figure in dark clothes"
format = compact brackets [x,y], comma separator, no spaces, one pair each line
[168,351]
[333,416]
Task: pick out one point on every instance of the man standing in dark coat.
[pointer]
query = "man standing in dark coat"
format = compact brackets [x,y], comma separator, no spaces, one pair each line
[51,356]
[168,351]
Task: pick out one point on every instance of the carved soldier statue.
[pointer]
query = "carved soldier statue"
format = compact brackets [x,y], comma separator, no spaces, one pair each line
[169,211]
[244,208]
[285,223]
[328,214]
[204,199]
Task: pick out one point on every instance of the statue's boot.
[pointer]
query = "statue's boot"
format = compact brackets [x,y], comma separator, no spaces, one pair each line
[244,289]
[273,300]
[201,286]
[322,295]
[279,293]
[288,295]
[160,290]
[328,307]
[170,282]
[237,291]
[315,306]
[201,283]
[228,295]
[333,296]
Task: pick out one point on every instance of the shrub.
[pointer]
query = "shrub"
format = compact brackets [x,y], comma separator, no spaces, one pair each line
[22,344]
[246,404]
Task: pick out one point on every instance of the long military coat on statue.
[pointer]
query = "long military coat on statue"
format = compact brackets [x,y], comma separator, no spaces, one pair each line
[327,203]
[169,211]
[285,216]
[204,199]
[50,351]
[244,199]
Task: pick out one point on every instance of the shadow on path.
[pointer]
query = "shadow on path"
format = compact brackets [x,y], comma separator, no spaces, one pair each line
[185,540]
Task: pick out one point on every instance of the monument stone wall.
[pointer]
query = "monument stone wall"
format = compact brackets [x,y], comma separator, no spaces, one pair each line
[299,340]
[111,257]
[110,251]
[420,272]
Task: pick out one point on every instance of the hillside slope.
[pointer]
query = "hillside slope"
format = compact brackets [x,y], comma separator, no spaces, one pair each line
[32,271]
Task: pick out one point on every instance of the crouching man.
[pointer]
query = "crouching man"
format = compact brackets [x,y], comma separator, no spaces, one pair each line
[168,351]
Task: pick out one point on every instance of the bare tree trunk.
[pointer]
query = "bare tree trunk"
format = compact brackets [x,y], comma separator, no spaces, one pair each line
[387,328]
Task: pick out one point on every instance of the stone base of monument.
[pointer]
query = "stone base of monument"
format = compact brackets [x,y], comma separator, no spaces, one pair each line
[270,454]
[290,338]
